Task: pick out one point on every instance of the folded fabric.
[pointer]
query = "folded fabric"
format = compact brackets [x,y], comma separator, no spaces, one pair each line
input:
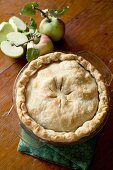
[77,157]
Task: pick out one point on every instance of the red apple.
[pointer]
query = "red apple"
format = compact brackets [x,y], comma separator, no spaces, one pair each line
[44,45]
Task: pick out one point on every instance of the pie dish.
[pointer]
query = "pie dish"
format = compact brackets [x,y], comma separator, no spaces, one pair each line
[61,97]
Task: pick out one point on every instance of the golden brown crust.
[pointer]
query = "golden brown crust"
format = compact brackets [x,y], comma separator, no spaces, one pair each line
[88,127]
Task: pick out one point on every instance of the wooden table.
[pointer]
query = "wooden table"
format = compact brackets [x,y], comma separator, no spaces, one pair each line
[89,26]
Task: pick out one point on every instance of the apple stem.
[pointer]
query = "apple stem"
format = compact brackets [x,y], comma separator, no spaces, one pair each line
[43,13]
[23,43]
[26,41]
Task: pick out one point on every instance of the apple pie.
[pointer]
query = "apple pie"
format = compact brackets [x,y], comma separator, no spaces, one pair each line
[61,97]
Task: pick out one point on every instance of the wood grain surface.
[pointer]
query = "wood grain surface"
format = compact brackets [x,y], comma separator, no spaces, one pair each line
[89,26]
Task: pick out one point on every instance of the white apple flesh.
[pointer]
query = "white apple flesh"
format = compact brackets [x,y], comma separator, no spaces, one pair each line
[11,50]
[17,38]
[17,24]
[55,28]
[5,28]
[44,46]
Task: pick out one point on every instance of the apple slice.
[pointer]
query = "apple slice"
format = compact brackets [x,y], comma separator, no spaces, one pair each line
[17,38]
[11,50]
[5,28]
[17,24]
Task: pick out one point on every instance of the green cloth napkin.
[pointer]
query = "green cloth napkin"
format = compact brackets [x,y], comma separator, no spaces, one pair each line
[77,157]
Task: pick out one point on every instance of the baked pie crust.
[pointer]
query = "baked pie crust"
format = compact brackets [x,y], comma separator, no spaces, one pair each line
[61,97]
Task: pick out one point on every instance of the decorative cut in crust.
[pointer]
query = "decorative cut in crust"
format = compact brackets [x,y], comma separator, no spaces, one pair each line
[50,135]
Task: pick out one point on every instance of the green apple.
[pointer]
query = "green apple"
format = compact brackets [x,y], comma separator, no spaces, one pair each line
[17,24]
[54,28]
[44,45]
[5,28]
[11,50]
[17,38]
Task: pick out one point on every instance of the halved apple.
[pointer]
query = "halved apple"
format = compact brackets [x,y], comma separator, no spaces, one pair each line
[11,50]
[17,24]
[17,38]
[5,28]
